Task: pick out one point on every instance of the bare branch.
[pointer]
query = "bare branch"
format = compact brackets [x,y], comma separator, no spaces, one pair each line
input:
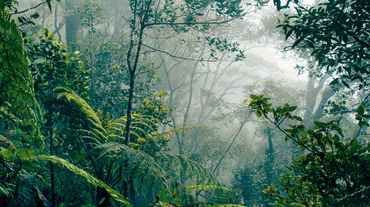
[26,10]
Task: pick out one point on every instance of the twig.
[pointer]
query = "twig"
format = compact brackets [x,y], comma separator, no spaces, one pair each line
[26,10]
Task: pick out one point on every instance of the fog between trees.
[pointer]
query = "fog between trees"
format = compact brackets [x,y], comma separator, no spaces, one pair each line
[184,103]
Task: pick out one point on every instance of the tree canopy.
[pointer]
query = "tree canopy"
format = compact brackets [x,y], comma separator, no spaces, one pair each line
[138,109]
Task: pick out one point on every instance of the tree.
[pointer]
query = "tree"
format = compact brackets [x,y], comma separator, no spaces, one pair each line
[90,140]
[268,157]
[52,66]
[21,149]
[331,172]
[335,33]
[179,16]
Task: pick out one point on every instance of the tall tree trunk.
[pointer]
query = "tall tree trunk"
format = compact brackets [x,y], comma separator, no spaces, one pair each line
[138,26]
[269,171]
[72,23]
[314,106]
[242,123]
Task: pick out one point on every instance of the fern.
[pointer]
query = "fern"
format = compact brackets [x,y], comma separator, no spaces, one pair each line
[190,168]
[141,165]
[206,187]
[30,155]
[4,190]
[25,156]
[78,104]
[204,204]
[17,100]
[151,171]
[89,178]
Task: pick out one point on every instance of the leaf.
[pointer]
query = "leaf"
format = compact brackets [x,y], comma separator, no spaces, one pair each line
[297,42]
[16,85]
[297,118]
[4,190]
[334,82]
[49,4]
[206,187]
[287,35]
[361,110]
[89,178]
[345,84]
[35,15]
[320,124]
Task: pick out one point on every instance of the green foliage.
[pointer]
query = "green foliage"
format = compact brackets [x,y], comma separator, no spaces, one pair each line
[25,159]
[142,160]
[251,181]
[80,106]
[89,178]
[18,106]
[294,192]
[332,167]
[52,65]
[94,144]
[91,12]
[336,34]
[221,45]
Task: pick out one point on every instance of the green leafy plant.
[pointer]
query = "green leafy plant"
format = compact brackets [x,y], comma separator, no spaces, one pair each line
[336,34]
[142,161]
[332,168]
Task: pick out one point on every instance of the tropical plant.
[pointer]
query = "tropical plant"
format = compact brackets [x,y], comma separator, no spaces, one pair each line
[334,168]
[142,161]
[18,106]
[335,33]
[21,144]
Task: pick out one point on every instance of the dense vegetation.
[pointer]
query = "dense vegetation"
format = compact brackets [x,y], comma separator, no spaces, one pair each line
[127,103]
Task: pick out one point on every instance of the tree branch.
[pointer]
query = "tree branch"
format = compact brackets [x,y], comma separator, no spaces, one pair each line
[26,10]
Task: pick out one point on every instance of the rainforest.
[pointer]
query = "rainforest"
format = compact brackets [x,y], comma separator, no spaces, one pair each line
[182,103]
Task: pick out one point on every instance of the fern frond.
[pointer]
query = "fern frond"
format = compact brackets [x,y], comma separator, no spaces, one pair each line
[173,131]
[138,119]
[16,86]
[134,133]
[116,125]
[206,187]
[4,190]
[70,98]
[146,171]
[89,178]
[150,127]
[200,204]
[190,168]
[146,117]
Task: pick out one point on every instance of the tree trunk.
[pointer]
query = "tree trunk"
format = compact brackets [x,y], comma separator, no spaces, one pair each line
[314,106]
[72,23]
[269,171]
